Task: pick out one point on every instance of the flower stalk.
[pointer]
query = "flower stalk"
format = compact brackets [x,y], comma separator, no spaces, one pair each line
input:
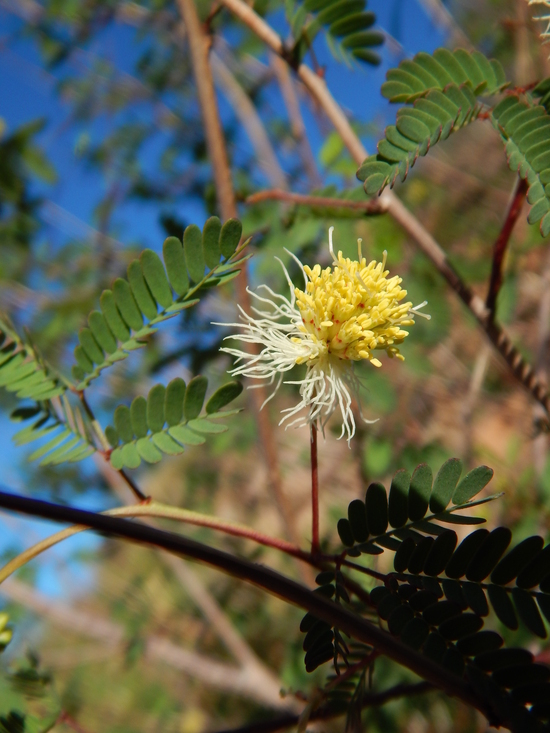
[315,544]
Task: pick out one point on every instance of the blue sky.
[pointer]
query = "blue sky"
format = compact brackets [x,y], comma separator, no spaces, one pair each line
[28,92]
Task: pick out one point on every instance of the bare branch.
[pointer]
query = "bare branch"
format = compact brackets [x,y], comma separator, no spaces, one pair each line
[223,676]
[250,119]
[373,206]
[297,126]
[499,248]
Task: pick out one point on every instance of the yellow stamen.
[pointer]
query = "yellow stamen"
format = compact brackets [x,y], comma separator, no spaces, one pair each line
[353,308]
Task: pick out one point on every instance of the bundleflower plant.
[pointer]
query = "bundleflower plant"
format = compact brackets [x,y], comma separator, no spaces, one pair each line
[343,315]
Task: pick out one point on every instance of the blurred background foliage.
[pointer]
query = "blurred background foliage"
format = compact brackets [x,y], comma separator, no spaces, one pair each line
[128,643]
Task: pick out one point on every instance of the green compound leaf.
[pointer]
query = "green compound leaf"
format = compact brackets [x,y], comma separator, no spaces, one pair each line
[161,424]
[442,89]
[68,435]
[406,513]
[425,72]
[346,24]
[154,292]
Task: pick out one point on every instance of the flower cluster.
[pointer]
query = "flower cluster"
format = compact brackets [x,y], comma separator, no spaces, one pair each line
[343,315]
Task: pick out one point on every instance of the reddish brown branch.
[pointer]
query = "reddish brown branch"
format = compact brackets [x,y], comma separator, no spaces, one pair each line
[374,206]
[501,243]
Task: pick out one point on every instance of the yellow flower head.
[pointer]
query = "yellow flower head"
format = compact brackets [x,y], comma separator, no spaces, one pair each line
[354,309]
[343,315]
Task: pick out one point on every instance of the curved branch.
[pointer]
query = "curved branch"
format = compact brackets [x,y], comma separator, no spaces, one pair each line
[270,581]
[159,511]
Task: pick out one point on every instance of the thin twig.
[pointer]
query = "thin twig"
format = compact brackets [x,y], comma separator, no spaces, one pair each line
[374,206]
[249,118]
[297,126]
[395,208]
[501,243]
[328,711]
[274,583]
[315,547]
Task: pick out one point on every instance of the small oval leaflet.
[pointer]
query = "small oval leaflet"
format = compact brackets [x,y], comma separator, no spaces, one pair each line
[173,401]
[138,416]
[440,553]
[445,484]
[419,491]
[194,397]
[123,423]
[345,533]
[174,259]
[472,484]
[376,502]
[421,552]
[490,552]
[155,408]
[192,247]
[223,396]
[475,596]
[358,520]
[140,290]
[517,559]
[155,277]
[528,612]
[230,236]
[403,555]
[460,626]
[479,642]
[464,553]
[503,606]
[398,501]
[211,241]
